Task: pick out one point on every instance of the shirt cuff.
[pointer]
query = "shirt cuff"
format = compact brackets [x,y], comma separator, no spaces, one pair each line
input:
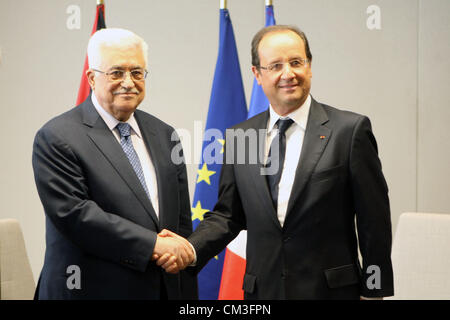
[194,263]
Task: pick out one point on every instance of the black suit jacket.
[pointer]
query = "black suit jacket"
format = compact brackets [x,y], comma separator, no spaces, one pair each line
[98,216]
[315,254]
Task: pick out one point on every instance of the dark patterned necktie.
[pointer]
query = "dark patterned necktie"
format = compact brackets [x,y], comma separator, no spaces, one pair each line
[276,158]
[127,146]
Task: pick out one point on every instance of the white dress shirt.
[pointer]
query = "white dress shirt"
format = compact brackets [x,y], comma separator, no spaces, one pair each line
[294,142]
[139,145]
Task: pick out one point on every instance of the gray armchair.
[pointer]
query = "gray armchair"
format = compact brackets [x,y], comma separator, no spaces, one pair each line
[16,277]
[421,257]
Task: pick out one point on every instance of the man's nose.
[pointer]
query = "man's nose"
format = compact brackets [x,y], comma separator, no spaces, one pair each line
[127,81]
[287,71]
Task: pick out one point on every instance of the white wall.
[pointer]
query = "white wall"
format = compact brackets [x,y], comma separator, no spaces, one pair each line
[398,76]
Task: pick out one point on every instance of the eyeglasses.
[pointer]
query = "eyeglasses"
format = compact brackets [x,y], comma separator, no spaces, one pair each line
[296,64]
[120,75]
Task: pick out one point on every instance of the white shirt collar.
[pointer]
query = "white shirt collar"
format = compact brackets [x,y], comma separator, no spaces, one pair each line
[299,115]
[112,122]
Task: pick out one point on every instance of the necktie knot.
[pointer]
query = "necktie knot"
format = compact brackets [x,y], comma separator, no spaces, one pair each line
[283,125]
[124,129]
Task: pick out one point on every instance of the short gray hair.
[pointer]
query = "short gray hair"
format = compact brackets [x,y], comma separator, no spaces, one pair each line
[113,37]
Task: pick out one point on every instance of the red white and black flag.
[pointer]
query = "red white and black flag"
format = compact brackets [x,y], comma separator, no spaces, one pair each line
[99,23]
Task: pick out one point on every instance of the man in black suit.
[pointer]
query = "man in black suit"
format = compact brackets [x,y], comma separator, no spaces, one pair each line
[105,177]
[318,172]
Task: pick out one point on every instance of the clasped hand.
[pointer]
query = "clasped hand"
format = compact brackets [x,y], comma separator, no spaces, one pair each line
[172,252]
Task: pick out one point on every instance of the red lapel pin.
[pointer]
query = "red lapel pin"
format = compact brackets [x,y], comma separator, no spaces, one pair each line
[322,137]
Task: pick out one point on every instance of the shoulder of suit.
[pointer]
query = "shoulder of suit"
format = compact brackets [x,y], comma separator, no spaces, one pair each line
[253,122]
[155,122]
[64,121]
[340,115]
[62,129]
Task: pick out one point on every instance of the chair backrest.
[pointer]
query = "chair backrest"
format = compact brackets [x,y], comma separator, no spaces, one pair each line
[16,277]
[421,256]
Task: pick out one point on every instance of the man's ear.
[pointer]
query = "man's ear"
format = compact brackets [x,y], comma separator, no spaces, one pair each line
[257,74]
[90,74]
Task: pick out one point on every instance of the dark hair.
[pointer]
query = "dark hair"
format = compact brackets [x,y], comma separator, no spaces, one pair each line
[277,28]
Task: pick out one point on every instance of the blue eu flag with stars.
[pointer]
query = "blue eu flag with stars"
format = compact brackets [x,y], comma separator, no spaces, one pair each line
[227,107]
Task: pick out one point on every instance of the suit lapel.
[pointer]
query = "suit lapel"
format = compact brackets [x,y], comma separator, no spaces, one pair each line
[316,138]
[166,180]
[256,170]
[105,141]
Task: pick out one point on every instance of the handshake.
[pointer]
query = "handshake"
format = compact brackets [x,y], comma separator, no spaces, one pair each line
[172,252]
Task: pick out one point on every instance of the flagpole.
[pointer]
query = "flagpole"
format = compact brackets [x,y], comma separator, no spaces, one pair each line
[223,4]
[269,2]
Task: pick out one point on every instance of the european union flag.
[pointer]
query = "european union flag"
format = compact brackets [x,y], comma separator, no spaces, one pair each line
[227,107]
[258,101]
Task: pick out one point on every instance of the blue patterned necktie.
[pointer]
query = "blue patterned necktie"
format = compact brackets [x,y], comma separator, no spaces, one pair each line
[127,146]
[277,157]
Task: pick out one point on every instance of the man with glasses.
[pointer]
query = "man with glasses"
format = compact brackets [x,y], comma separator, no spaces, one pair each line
[108,186]
[319,171]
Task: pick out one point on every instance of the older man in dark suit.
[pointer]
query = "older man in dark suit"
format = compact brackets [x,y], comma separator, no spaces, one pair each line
[105,177]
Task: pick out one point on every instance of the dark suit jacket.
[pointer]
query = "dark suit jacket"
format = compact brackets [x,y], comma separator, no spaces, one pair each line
[98,216]
[315,254]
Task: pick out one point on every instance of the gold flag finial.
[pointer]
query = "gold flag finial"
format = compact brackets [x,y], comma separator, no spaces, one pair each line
[269,3]
[223,4]
[99,2]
